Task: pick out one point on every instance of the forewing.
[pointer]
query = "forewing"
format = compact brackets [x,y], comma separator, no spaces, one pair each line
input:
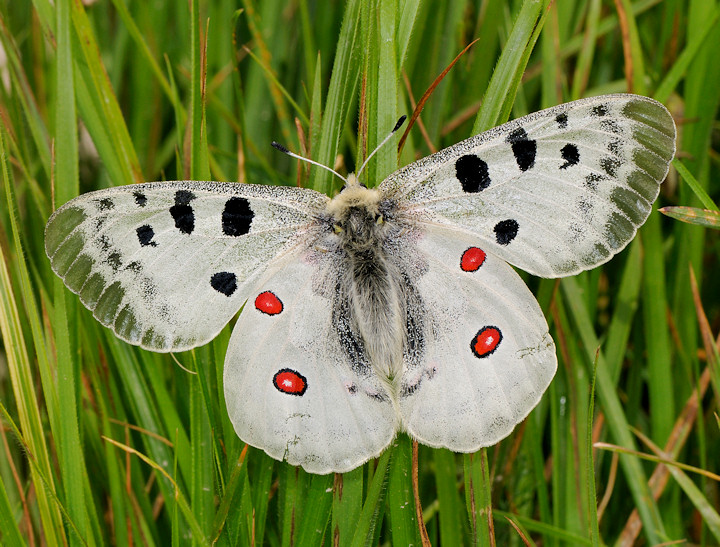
[292,386]
[166,265]
[554,193]
[487,356]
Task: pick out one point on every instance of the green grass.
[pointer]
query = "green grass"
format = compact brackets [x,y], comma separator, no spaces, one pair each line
[104,443]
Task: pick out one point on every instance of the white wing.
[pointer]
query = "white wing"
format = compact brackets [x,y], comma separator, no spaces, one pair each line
[166,265]
[487,356]
[555,192]
[293,383]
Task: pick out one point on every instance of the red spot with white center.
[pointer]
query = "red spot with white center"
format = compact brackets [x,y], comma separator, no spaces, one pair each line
[486,341]
[472,259]
[268,303]
[290,382]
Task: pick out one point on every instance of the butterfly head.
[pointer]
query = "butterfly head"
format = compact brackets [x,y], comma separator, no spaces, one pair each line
[357,214]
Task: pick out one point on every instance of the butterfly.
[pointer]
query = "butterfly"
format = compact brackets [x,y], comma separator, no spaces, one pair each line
[382,309]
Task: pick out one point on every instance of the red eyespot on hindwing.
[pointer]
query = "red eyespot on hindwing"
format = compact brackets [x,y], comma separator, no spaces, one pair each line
[268,303]
[472,259]
[289,381]
[485,341]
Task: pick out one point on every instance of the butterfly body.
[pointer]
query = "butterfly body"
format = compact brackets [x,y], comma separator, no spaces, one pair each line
[371,289]
[383,309]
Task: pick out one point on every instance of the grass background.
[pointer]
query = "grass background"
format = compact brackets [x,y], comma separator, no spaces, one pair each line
[103,443]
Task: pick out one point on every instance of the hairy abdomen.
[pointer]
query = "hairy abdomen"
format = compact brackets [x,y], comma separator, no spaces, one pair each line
[377,309]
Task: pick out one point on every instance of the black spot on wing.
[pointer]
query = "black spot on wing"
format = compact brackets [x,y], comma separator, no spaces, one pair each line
[145,236]
[506,231]
[570,154]
[134,267]
[237,217]
[585,207]
[114,260]
[224,283]
[600,110]
[610,165]
[562,120]
[182,212]
[576,231]
[611,126]
[592,180]
[104,242]
[105,204]
[523,149]
[615,147]
[472,172]
[140,199]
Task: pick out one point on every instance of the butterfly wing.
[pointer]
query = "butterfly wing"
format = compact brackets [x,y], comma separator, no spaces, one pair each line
[294,385]
[487,356]
[555,192]
[166,265]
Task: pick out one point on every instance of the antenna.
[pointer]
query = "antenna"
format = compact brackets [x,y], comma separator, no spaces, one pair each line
[398,125]
[284,150]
